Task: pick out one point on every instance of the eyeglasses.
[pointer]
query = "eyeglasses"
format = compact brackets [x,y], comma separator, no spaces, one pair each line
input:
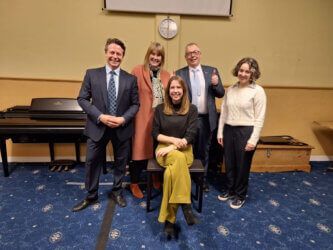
[192,53]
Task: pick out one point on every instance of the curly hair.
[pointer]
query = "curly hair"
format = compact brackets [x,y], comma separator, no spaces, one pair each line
[253,65]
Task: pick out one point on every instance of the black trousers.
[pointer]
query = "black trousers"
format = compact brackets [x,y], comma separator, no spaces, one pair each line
[135,168]
[237,160]
[203,141]
[96,159]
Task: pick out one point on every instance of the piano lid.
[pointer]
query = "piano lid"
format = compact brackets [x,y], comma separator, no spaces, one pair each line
[48,108]
[56,108]
[55,105]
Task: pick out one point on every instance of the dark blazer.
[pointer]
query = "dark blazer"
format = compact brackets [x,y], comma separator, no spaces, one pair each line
[213,91]
[93,100]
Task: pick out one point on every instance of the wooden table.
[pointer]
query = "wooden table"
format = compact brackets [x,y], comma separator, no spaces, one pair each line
[325,124]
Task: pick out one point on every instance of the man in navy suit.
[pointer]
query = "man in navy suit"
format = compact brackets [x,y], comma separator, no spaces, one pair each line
[204,84]
[109,96]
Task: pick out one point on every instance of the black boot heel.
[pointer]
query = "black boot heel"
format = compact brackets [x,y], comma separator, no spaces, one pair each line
[169,230]
[190,218]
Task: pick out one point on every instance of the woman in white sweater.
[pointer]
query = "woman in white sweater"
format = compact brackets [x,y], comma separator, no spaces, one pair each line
[241,120]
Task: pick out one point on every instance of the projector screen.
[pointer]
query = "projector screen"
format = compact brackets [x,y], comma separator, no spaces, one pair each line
[185,7]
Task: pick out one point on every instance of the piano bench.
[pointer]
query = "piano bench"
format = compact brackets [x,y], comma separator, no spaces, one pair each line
[197,172]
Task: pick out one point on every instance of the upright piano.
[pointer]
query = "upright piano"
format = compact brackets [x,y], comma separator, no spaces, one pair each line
[46,120]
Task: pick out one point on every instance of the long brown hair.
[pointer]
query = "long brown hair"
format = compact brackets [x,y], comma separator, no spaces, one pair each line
[185,102]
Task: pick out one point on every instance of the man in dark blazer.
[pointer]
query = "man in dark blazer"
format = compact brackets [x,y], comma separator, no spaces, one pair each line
[204,84]
[109,96]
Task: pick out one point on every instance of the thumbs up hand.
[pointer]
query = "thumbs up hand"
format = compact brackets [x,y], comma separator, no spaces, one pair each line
[215,77]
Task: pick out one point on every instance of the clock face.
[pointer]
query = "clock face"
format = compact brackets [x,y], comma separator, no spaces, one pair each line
[168,28]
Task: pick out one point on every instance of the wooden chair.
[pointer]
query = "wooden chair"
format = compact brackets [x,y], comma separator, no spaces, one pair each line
[197,176]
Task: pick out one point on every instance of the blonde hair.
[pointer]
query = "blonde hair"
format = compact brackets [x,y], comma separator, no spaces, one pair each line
[185,102]
[159,49]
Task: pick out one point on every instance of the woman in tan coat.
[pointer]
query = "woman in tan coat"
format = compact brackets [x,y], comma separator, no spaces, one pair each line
[152,80]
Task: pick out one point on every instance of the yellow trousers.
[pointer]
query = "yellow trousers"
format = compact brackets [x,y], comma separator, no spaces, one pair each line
[176,183]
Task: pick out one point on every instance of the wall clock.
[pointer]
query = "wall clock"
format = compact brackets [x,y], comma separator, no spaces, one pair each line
[168,28]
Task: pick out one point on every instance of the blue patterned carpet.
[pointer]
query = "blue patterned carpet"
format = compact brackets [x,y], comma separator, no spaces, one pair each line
[292,210]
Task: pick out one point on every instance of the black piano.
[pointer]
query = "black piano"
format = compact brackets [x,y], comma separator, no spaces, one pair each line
[46,120]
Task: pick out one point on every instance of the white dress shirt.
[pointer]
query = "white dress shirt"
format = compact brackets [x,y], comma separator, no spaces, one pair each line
[115,77]
[202,95]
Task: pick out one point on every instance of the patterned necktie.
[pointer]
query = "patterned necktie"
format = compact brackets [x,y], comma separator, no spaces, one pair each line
[112,99]
[195,85]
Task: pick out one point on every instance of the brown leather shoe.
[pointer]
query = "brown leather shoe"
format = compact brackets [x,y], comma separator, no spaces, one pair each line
[190,218]
[136,191]
[83,204]
[119,199]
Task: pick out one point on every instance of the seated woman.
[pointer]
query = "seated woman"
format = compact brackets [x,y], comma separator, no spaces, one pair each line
[174,127]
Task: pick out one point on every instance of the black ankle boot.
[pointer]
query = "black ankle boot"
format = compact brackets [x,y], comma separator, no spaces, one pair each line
[190,218]
[169,229]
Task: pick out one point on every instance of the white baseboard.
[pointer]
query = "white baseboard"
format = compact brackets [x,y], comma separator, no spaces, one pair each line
[110,158]
[45,158]
[321,158]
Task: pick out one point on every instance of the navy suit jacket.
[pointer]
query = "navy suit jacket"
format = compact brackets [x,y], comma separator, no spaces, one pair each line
[213,91]
[93,100]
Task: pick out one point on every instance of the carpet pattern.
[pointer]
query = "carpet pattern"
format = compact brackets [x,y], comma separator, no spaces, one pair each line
[292,210]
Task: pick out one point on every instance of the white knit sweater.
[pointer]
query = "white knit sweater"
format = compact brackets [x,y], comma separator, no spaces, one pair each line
[243,106]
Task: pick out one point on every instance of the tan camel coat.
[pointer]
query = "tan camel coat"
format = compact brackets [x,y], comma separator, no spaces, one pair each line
[142,144]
